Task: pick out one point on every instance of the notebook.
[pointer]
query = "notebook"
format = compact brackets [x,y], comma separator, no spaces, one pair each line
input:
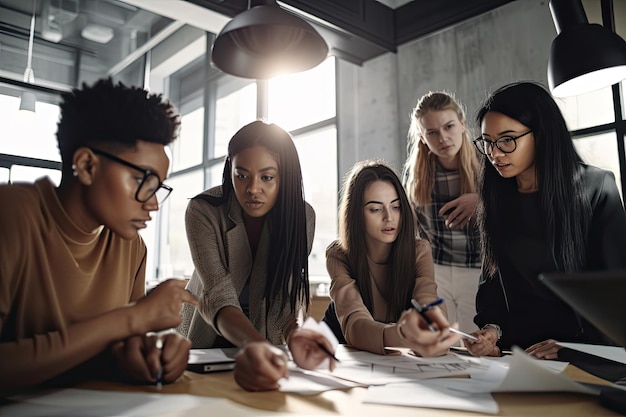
[600,297]
[211,360]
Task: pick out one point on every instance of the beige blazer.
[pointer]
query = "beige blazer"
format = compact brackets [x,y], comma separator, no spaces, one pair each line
[223,263]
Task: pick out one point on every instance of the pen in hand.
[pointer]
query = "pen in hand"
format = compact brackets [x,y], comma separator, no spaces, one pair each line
[423,309]
[422,312]
[158,344]
[159,379]
[328,352]
[465,335]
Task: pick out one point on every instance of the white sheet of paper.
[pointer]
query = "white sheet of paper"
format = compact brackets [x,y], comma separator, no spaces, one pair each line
[614,353]
[523,374]
[405,360]
[368,373]
[92,403]
[555,366]
[310,382]
[372,369]
[431,394]
[322,327]
[208,355]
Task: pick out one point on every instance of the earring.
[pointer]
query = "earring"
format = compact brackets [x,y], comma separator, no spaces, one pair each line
[74,172]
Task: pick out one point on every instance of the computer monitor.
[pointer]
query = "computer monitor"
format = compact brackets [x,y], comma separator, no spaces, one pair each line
[599,297]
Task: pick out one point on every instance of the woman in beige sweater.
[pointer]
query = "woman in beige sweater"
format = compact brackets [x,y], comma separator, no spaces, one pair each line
[377,265]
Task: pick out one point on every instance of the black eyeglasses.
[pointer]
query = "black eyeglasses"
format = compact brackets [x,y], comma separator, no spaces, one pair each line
[506,144]
[149,185]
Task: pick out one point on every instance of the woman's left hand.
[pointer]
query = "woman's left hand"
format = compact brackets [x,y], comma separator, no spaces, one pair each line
[548,349]
[460,211]
[304,345]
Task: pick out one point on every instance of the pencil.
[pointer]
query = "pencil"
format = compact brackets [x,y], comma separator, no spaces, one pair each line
[328,352]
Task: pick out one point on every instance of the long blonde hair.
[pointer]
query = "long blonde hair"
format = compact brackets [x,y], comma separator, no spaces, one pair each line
[419,169]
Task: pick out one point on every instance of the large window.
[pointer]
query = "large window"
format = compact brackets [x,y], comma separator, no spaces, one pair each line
[303,104]
[597,127]
[28,135]
[303,99]
[592,119]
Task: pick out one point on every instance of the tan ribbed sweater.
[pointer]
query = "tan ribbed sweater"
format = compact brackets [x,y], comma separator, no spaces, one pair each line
[53,274]
[362,329]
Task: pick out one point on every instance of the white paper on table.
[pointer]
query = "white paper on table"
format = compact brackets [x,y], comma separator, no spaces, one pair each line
[433,393]
[322,327]
[552,365]
[305,382]
[406,360]
[368,373]
[92,403]
[523,374]
[614,353]
[372,369]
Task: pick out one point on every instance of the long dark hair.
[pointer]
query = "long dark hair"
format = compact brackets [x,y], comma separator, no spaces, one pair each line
[287,264]
[401,261]
[564,205]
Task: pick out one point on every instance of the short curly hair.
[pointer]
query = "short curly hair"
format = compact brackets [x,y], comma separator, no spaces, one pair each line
[113,116]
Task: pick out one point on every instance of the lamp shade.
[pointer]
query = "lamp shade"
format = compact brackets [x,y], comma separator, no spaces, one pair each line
[265,41]
[27,101]
[584,57]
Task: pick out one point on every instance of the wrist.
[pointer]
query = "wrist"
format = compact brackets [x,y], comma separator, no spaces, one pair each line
[133,320]
[496,328]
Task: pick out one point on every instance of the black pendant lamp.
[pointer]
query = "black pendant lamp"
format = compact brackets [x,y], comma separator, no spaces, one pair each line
[584,57]
[265,41]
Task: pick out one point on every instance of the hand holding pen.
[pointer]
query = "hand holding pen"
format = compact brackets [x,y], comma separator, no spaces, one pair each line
[414,334]
[158,344]
[422,312]
[423,309]
[167,354]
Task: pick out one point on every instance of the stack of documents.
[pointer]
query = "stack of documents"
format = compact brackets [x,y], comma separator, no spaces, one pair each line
[450,382]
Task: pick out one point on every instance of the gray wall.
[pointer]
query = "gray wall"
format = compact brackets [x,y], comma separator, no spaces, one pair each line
[508,44]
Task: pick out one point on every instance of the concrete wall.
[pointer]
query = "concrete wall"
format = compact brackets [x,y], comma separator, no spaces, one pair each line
[508,44]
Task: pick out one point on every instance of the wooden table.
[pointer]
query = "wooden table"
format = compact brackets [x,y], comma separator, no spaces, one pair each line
[349,402]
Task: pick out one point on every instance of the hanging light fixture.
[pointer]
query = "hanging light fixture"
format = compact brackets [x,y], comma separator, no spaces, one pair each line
[584,57]
[265,41]
[28,98]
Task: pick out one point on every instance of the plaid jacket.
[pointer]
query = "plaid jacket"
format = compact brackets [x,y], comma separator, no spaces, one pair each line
[450,247]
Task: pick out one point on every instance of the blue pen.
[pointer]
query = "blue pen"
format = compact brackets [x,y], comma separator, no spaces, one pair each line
[159,346]
[159,379]
[423,309]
